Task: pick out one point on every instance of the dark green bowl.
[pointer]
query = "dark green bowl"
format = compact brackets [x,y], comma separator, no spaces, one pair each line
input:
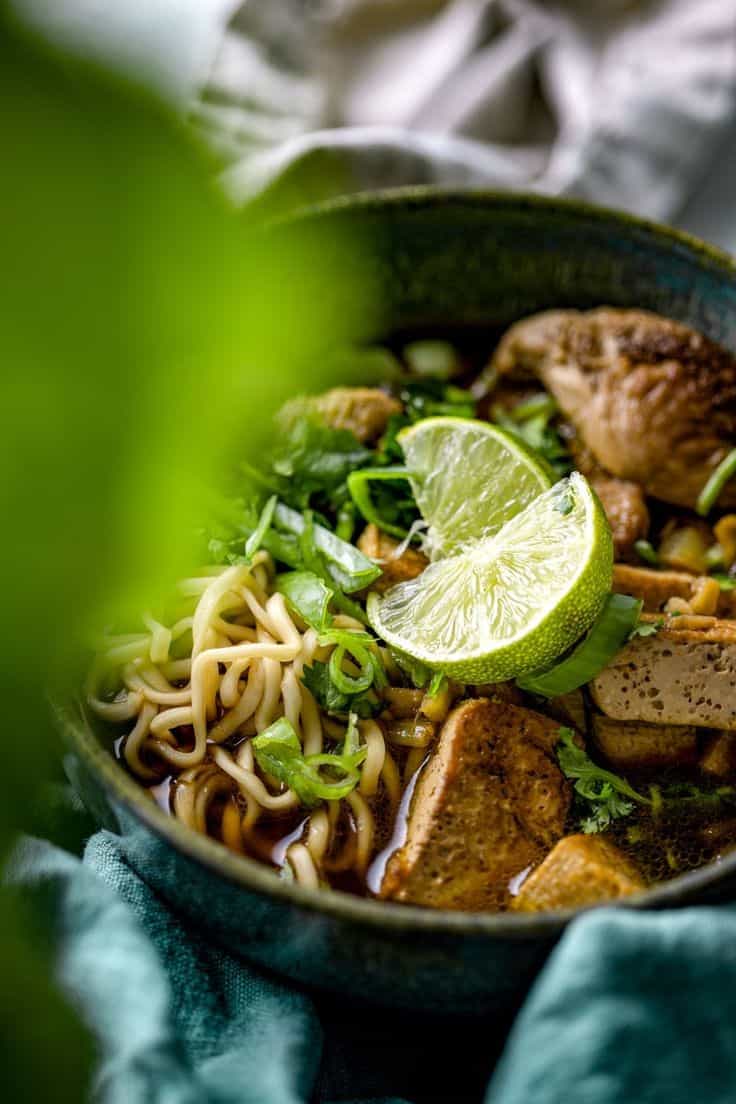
[440,260]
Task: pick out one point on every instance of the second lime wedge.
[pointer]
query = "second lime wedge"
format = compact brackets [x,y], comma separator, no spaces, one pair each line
[510,603]
[469,478]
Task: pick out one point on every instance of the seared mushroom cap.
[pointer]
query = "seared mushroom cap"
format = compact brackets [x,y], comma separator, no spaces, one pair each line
[653,400]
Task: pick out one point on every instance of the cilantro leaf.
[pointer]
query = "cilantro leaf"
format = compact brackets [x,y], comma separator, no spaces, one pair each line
[530,421]
[432,396]
[417,672]
[313,460]
[607,796]
[646,628]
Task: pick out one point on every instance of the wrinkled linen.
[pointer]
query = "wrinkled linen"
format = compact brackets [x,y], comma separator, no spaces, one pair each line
[630,103]
[621,103]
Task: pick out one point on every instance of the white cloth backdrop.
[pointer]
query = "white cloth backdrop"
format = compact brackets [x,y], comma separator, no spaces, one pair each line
[630,103]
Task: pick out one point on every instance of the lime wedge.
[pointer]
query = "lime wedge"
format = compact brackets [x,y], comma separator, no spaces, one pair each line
[469,478]
[511,603]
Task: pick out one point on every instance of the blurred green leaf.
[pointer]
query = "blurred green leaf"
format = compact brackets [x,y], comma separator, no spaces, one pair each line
[148,332]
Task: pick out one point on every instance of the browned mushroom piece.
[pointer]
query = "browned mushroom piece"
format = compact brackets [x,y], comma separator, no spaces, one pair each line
[683,675]
[653,400]
[364,411]
[580,870]
[490,802]
[627,513]
[396,566]
[628,745]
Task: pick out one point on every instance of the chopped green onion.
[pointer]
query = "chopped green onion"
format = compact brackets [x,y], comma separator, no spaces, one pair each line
[725,582]
[279,753]
[370,672]
[347,684]
[345,521]
[437,684]
[609,633]
[316,678]
[351,743]
[432,358]
[541,404]
[308,595]
[646,552]
[348,566]
[714,557]
[358,486]
[718,479]
[255,540]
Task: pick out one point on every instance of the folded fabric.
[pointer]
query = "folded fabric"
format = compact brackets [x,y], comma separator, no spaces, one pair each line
[177,1020]
[630,103]
[631,1006]
[615,101]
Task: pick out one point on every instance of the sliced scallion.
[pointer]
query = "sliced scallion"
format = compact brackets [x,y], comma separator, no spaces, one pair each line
[313,778]
[646,552]
[537,405]
[718,479]
[354,644]
[438,359]
[608,634]
[359,488]
[255,540]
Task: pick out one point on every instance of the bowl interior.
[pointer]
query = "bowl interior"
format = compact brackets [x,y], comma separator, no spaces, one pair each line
[438,262]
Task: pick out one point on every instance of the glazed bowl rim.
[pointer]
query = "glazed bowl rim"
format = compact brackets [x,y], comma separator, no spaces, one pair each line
[402,919]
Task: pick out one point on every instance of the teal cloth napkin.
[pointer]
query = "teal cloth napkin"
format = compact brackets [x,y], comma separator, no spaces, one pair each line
[631,1007]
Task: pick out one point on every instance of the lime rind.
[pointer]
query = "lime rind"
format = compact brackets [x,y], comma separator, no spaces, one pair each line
[511,603]
[469,479]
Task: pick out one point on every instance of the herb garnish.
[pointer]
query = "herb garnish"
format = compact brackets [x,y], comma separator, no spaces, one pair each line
[646,551]
[531,422]
[605,795]
[312,461]
[313,778]
[647,628]
[339,691]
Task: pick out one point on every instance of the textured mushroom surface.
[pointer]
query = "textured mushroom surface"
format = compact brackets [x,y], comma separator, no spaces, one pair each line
[627,513]
[651,399]
[364,411]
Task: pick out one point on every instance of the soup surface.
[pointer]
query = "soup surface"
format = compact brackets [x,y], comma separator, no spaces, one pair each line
[467,638]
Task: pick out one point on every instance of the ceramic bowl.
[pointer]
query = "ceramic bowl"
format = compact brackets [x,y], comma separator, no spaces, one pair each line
[440,261]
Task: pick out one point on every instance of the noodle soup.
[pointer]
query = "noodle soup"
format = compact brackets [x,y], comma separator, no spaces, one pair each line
[265,704]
